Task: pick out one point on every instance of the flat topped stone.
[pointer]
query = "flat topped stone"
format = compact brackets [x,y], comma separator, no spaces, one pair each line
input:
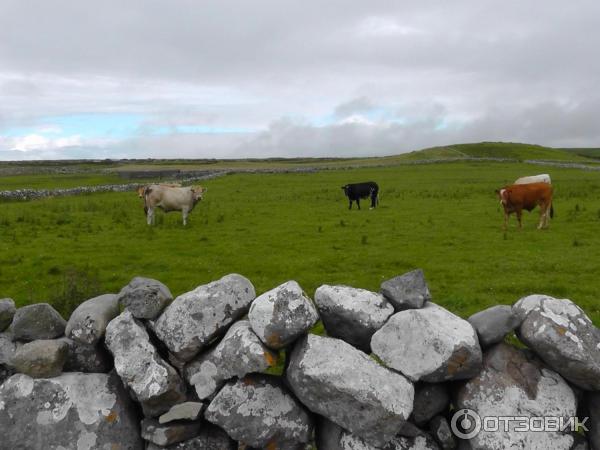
[145,297]
[43,358]
[37,321]
[407,291]
[352,314]
[429,344]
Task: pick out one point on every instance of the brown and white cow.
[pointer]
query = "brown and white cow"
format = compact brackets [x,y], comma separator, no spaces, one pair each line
[171,198]
[517,197]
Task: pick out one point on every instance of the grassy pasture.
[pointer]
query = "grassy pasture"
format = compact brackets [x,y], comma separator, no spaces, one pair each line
[443,218]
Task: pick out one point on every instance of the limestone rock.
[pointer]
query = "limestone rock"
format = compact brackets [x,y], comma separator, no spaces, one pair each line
[440,429]
[43,358]
[210,437]
[72,411]
[86,358]
[407,291]
[352,314]
[430,399]
[7,312]
[258,411]
[195,318]
[282,315]
[429,344]
[493,324]
[560,333]
[153,381]
[170,433]
[182,411]
[7,353]
[38,321]
[343,384]
[240,352]
[144,297]
[88,322]
[331,436]
[514,383]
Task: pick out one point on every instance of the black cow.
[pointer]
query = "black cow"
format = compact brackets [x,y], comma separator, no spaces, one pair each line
[356,191]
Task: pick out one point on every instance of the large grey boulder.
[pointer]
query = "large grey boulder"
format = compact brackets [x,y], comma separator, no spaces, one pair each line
[493,324]
[144,297]
[169,433]
[330,436]
[7,312]
[429,344]
[340,382]
[352,314]
[258,411]
[563,336]
[407,291]
[154,382]
[43,358]
[514,383]
[240,352]
[86,358]
[88,322]
[73,411]
[282,315]
[195,318]
[210,437]
[431,399]
[38,321]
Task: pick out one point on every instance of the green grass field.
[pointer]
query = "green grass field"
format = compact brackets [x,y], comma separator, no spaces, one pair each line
[443,218]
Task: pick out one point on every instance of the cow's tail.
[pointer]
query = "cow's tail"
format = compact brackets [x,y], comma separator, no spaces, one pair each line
[551,211]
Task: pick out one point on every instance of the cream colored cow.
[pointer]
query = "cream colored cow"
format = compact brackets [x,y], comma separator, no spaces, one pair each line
[171,198]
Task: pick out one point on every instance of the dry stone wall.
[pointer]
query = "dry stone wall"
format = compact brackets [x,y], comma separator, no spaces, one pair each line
[221,367]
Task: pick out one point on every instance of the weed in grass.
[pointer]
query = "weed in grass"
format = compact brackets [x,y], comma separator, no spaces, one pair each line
[76,286]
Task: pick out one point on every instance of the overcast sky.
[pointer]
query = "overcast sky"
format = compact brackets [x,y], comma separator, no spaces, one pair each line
[187,78]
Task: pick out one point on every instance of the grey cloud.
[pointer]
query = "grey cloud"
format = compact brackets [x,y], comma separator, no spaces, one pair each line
[442,72]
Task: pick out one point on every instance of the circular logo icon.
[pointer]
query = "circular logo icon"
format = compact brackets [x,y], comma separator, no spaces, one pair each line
[465,423]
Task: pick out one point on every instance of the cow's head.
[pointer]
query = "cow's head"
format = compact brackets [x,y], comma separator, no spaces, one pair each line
[502,195]
[345,189]
[141,191]
[198,193]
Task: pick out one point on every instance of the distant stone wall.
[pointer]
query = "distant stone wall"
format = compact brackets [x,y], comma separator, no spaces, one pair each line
[222,368]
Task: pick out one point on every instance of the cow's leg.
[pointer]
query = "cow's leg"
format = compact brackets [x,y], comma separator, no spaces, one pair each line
[543,217]
[358,202]
[184,213]
[519,217]
[373,200]
[505,220]
[150,216]
[350,207]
